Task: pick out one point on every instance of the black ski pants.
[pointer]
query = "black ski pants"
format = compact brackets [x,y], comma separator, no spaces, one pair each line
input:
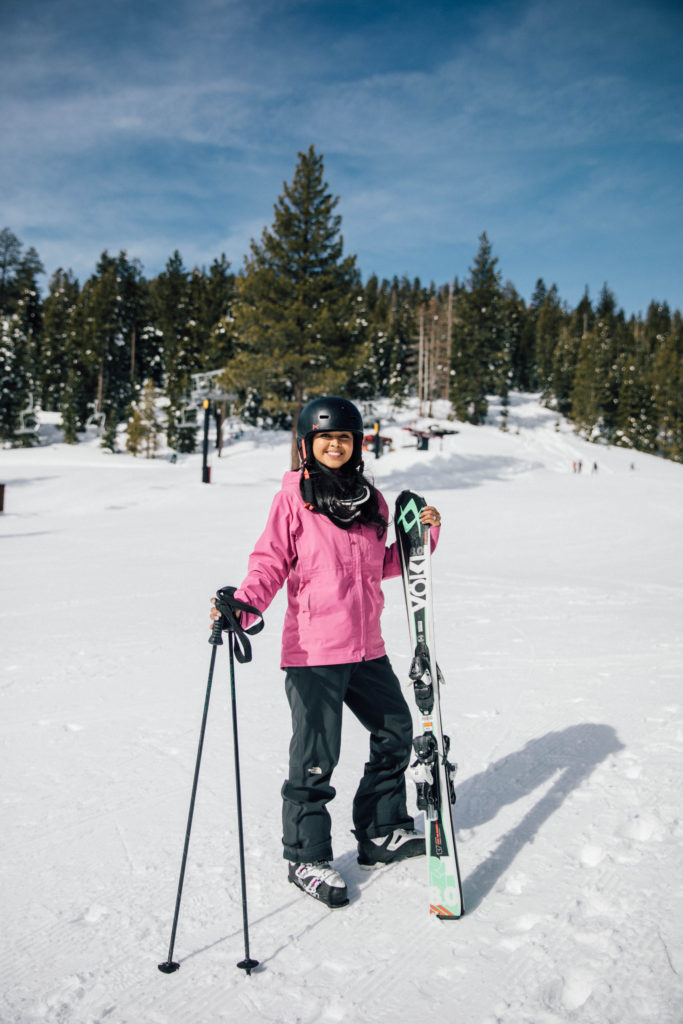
[316,697]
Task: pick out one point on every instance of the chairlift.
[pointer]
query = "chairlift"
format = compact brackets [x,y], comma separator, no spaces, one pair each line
[187,416]
[97,420]
[28,424]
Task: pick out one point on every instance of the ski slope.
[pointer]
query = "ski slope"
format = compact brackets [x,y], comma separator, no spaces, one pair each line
[559,619]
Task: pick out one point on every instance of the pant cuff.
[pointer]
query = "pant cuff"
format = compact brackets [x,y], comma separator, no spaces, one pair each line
[309,855]
[380,831]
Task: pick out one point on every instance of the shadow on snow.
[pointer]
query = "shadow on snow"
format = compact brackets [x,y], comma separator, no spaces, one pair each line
[571,755]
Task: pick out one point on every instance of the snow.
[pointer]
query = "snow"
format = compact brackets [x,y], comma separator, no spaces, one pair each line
[558,624]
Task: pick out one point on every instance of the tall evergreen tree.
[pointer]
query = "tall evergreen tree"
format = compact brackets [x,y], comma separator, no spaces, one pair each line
[371,312]
[110,319]
[479,344]
[175,297]
[295,320]
[635,425]
[406,297]
[582,319]
[57,341]
[10,257]
[538,296]
[77,390]
[518,368]
[389,312]
[585,396]
[143,428]
[11,370]
[549,320]
[563,369]
[21,338]
[666,338]
[561,334]
[16,380]
[613,343]
[218,298]
[595,395]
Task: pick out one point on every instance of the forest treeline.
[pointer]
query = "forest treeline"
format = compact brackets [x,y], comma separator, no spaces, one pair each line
[298,321]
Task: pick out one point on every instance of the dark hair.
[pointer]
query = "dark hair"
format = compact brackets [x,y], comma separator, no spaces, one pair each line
[344,495]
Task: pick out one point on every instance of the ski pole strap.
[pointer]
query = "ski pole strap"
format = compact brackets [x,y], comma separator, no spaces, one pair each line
[227,604]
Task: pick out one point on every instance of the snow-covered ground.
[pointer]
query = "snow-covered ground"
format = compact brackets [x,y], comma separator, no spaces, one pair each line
[559,629]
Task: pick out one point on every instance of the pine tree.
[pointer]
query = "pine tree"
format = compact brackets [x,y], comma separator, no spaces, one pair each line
[80,380]
[388,312]
[538,296]
[563,369]
[15,377]
[582,319]
[216,315]
[143,428]
[371,312]
[135,431]
[53,366]
[595,395]
[585,397]
[549,321]
[8,406]
[479,345]
[521,327]
[636,419]
[666,336]
[175,296]
[10,257]
[402,334]
[517,369]
[295,318]
[110,319]
[613,343]
[21,334]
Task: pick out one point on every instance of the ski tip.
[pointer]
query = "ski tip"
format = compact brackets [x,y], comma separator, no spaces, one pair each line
[443,913]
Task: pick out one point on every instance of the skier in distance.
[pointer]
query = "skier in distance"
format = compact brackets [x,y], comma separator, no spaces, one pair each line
[326,538]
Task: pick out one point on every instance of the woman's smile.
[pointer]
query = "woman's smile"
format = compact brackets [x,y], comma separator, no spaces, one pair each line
[333,448]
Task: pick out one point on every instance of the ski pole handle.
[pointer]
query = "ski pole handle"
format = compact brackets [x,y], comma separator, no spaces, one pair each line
[231,609]
[216,637]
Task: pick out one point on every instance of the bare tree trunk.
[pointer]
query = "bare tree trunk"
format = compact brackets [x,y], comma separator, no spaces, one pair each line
[295,460]
[100,388]
[420,361]
[132,356]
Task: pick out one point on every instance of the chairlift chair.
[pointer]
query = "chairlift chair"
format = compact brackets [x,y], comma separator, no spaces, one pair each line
[28,424]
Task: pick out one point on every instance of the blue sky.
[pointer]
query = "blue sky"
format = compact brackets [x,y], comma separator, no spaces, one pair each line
[554,126]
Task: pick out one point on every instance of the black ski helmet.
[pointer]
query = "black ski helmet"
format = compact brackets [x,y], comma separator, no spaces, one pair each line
[329,413]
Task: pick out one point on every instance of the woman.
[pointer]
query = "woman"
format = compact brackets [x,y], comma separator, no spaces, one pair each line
[326,538]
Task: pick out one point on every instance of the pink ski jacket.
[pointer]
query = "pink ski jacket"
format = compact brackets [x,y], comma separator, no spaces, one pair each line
[333,576]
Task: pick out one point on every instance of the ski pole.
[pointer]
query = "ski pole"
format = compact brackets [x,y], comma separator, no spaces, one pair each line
[239,645]
[247,964]
[169,965]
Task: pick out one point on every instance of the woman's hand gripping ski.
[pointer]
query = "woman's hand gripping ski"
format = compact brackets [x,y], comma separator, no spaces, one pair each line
[430,516]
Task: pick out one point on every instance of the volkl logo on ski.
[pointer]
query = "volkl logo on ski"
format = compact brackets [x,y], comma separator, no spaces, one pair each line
[417,582]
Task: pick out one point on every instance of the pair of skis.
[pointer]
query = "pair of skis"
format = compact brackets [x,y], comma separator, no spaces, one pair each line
[432,772]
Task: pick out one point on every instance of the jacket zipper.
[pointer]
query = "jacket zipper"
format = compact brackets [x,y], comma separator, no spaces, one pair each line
[355,549]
